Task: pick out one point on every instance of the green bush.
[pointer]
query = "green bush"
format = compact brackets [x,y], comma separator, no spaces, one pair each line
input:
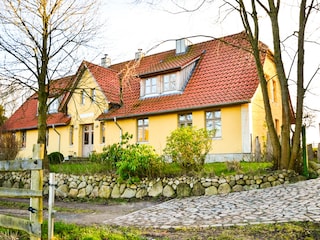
[138,161]
[55,158]
[130,161]
[111,154]
[188,147]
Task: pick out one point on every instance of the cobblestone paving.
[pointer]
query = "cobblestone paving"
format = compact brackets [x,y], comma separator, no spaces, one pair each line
[285,203]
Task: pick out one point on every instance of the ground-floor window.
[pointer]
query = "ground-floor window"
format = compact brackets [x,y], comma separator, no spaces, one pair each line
[23,139]
[143,130]
[185,120]
[213,122]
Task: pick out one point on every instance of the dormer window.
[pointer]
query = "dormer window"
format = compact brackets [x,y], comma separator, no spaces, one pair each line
[167,81]
[151,86]
[53,105]
[170,82]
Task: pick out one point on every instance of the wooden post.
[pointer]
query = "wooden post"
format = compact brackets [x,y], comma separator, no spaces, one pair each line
[36,203]
[50,206]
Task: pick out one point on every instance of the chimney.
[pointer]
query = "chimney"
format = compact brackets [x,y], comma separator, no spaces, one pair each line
[182,45]
[139,54]
[105,61]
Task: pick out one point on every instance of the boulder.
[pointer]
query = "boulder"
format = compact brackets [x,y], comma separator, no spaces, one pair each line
[141,193]
[62,191]
[211,191]
[129,193]
[168,191]
[224,188]
[198,189]
[156,189]
[183,190]
[104,191]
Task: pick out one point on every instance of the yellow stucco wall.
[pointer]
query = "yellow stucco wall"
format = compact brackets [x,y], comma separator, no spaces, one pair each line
[259,127]
[160,126]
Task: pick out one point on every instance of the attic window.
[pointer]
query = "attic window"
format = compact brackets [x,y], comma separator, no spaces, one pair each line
[182,45]
[53,105]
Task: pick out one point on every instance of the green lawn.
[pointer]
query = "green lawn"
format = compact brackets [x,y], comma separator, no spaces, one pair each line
[169,170]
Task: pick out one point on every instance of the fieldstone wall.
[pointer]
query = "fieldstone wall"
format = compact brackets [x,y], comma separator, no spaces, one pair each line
[101,186]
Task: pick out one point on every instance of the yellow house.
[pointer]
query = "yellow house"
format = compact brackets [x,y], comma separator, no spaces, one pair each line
[212,85]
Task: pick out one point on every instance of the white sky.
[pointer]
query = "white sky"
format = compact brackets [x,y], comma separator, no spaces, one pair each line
[129,26]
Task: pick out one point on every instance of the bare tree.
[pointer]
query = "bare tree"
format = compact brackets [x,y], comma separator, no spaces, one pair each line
[39,41]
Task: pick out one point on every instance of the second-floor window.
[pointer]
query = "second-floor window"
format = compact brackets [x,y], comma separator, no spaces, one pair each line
[213,123]
[151,86]
[185,120]
[170,82]
[53,105]
[83,97]
[143,130]
[93,94]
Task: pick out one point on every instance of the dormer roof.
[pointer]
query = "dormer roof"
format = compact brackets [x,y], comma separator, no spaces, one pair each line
[224,75]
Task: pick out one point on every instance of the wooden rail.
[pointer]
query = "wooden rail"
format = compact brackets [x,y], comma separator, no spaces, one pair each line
[35,193]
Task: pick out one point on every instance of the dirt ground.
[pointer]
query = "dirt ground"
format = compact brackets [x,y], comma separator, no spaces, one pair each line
[83,213]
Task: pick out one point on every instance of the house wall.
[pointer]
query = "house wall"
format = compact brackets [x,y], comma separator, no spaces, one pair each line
[259,128]
[31,139]
[230,145]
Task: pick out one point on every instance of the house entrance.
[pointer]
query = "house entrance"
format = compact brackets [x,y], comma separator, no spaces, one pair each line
[87,139]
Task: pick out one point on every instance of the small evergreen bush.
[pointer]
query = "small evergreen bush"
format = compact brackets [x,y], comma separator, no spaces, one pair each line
[55,158]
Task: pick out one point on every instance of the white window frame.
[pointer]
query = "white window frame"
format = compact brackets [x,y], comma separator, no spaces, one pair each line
[53,105]
[213,122]
[185,120]
[143,130]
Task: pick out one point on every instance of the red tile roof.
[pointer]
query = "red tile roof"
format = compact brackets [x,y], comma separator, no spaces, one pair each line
[108,81]
[26,117]
[226,74]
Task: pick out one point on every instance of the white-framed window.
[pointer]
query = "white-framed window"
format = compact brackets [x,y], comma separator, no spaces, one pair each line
[83,97]
[53,105]
[151,86]
[102,132]
[213,122]
[93,94]
[185,120]
[143,130]
[170,82]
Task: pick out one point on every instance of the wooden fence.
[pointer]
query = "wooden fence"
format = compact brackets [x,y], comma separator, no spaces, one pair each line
[35,193]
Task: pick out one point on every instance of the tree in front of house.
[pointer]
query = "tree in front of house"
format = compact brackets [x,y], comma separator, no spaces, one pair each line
[286,148]
[39,41]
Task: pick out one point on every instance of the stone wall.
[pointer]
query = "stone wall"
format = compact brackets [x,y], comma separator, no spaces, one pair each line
[101,186]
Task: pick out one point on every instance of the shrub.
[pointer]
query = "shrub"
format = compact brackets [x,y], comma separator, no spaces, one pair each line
[130,161]
[55,158]
[111,154]
[9,146]
[138,161]
[188,147]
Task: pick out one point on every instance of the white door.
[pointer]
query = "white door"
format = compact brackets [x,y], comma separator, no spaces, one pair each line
[87,139]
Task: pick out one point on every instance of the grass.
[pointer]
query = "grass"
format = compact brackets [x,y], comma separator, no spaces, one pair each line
[169,170]
[278,231]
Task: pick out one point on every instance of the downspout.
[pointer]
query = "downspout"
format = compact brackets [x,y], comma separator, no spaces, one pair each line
[115,121]
[59,136]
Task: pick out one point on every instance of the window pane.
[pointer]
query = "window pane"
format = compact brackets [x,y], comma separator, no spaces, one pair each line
[143,130]
[185,120]
[213,122]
